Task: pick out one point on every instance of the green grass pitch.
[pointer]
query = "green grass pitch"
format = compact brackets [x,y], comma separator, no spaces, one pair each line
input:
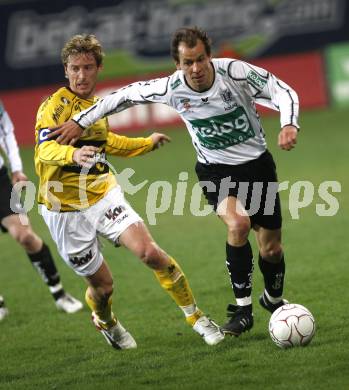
[41,348]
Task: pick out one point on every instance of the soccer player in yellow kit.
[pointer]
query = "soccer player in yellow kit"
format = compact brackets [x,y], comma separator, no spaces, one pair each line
[80,199]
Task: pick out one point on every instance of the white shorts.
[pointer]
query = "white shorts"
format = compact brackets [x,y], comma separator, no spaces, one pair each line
[76,232]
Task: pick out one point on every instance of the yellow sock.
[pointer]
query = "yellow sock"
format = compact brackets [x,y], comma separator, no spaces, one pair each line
[173,280]
[102,309]
[194,317]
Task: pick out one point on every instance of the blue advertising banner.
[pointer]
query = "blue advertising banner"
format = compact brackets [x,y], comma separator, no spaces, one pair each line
[32,33]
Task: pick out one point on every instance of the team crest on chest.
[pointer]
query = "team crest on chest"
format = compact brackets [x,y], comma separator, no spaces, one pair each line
[226,96]
[228,99]
[65,100]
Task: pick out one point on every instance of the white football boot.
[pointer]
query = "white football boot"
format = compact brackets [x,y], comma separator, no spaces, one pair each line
[68,304]
[208,330]
[117,336]
[3,309]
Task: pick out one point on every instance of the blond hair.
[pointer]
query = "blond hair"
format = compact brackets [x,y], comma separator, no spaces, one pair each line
[83,43]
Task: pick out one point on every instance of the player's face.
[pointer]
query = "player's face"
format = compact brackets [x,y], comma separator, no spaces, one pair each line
[82,72]
[196,66]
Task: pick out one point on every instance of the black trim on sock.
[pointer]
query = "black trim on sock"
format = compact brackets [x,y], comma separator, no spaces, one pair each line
[44,264]
[58,294]
[273,274]
[240,267]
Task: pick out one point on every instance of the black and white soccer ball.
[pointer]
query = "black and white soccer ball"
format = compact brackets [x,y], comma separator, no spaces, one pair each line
[292,325]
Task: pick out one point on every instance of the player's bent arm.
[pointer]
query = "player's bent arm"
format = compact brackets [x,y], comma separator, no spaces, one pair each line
[130,147]
[288,105]
[119,145]
[279,96]
[51,153]
[269,91]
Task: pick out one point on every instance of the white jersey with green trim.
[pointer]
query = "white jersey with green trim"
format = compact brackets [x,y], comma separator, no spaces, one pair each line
[222,121]
[8,142]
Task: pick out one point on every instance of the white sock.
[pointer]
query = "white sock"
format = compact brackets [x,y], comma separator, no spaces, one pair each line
[244,301]
[189,310]
[55,288]
[272,299]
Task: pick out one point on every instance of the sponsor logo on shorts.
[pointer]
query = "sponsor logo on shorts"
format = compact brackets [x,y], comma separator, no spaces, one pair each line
[119,220]
[113,214]
[78,261]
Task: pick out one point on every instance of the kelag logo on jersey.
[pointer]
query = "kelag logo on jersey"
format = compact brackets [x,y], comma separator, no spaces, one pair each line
[256,80]
[222,131]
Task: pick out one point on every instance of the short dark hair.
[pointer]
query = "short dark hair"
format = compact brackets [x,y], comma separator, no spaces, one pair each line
[190,36]
[82,43]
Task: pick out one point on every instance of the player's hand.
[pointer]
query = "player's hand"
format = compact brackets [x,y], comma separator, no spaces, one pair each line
[159,140]
[68,133]
[85,156]
[18,176]
[288,137]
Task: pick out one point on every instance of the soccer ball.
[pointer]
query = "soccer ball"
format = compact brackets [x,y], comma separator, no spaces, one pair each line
[291,325]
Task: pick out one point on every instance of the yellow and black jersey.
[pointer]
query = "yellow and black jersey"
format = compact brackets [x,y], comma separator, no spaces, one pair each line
[65,186]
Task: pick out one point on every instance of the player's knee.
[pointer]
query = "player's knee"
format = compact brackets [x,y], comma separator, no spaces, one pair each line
[238,228]
[25,237]
[152,255]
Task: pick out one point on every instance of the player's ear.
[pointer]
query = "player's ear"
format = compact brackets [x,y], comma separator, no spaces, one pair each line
[178,66]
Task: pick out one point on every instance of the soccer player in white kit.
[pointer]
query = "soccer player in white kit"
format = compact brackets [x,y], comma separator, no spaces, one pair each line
[216,99]
[12,215]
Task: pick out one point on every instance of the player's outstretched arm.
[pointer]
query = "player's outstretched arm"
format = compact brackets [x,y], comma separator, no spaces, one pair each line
[141,92]
[67,134]
[159,140]
[288,137]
